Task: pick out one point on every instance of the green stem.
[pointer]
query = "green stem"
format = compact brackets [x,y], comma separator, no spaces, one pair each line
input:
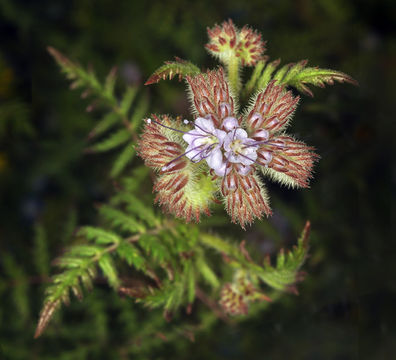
[251,84]
[240,261]
[233,74]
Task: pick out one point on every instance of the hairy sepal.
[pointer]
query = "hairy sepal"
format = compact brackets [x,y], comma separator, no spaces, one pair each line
[271,109]
[182,187]
[159,145]
[211,96]
[292,161]
[245,198]
[186,194]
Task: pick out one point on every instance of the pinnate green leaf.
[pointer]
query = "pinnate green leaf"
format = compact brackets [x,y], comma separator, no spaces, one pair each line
[299,77]
[170,69]
[100,236]
[122,160]
[119,219]
[127,100]
[131,254]
[107,265]
[115,140]
[107,122]
[296,75]
[286,273]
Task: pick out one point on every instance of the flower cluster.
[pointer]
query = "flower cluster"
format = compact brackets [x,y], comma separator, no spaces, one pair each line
[236,297]
[227,42]
[223,152]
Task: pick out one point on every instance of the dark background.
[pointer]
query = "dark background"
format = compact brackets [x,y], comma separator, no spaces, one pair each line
[346,307]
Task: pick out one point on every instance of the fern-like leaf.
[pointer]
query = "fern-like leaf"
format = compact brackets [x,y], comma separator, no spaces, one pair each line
[106,123]
[108,268]
[121,220]
[131,254]
[69,280]
[115,140]
[170,69]
[299,76]
[295,75]
[122,160]
[82,78]
[285,273]
[45,316]
[100,236]
[127,100]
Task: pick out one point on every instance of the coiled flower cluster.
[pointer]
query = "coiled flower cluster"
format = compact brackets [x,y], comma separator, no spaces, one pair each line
[222,155]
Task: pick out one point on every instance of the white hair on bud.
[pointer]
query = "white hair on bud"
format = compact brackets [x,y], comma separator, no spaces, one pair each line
[148,121]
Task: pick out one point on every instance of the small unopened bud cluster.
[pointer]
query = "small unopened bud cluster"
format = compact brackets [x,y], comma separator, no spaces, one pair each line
[232,301]
[250,46]
[226,42]
[235,297]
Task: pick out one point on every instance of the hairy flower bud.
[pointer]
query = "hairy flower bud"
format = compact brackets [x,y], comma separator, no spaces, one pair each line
[181,188]
[236,297]
[227,42]
[250,47]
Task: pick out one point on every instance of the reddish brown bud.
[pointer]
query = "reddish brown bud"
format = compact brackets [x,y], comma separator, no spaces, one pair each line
[211,96]
[273,109]
[245,198]
[235,297]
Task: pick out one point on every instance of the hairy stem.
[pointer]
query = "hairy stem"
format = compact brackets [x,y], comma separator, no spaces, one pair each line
[233,74]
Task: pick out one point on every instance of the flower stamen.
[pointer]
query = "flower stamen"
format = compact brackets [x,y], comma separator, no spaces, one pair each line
[207,149]
[166,166]
[149,121]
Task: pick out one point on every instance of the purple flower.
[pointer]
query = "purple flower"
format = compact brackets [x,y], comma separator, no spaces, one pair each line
[205,142]
[239,148]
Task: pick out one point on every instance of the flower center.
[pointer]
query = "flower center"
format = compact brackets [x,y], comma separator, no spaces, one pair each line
[236,146]
[209,140]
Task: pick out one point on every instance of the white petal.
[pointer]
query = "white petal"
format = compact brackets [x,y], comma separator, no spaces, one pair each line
[215,159]
[231,157]
[248,159]
[230,123]
[192,152]
[250,151]
[221,135]
[200,141]
[190,136]
[244,170]
[227,141]
[267,156]
[222,170]
[205,125]
[240,134]
[261,134]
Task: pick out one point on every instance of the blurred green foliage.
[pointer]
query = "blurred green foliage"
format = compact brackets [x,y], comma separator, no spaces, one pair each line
[48,186]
